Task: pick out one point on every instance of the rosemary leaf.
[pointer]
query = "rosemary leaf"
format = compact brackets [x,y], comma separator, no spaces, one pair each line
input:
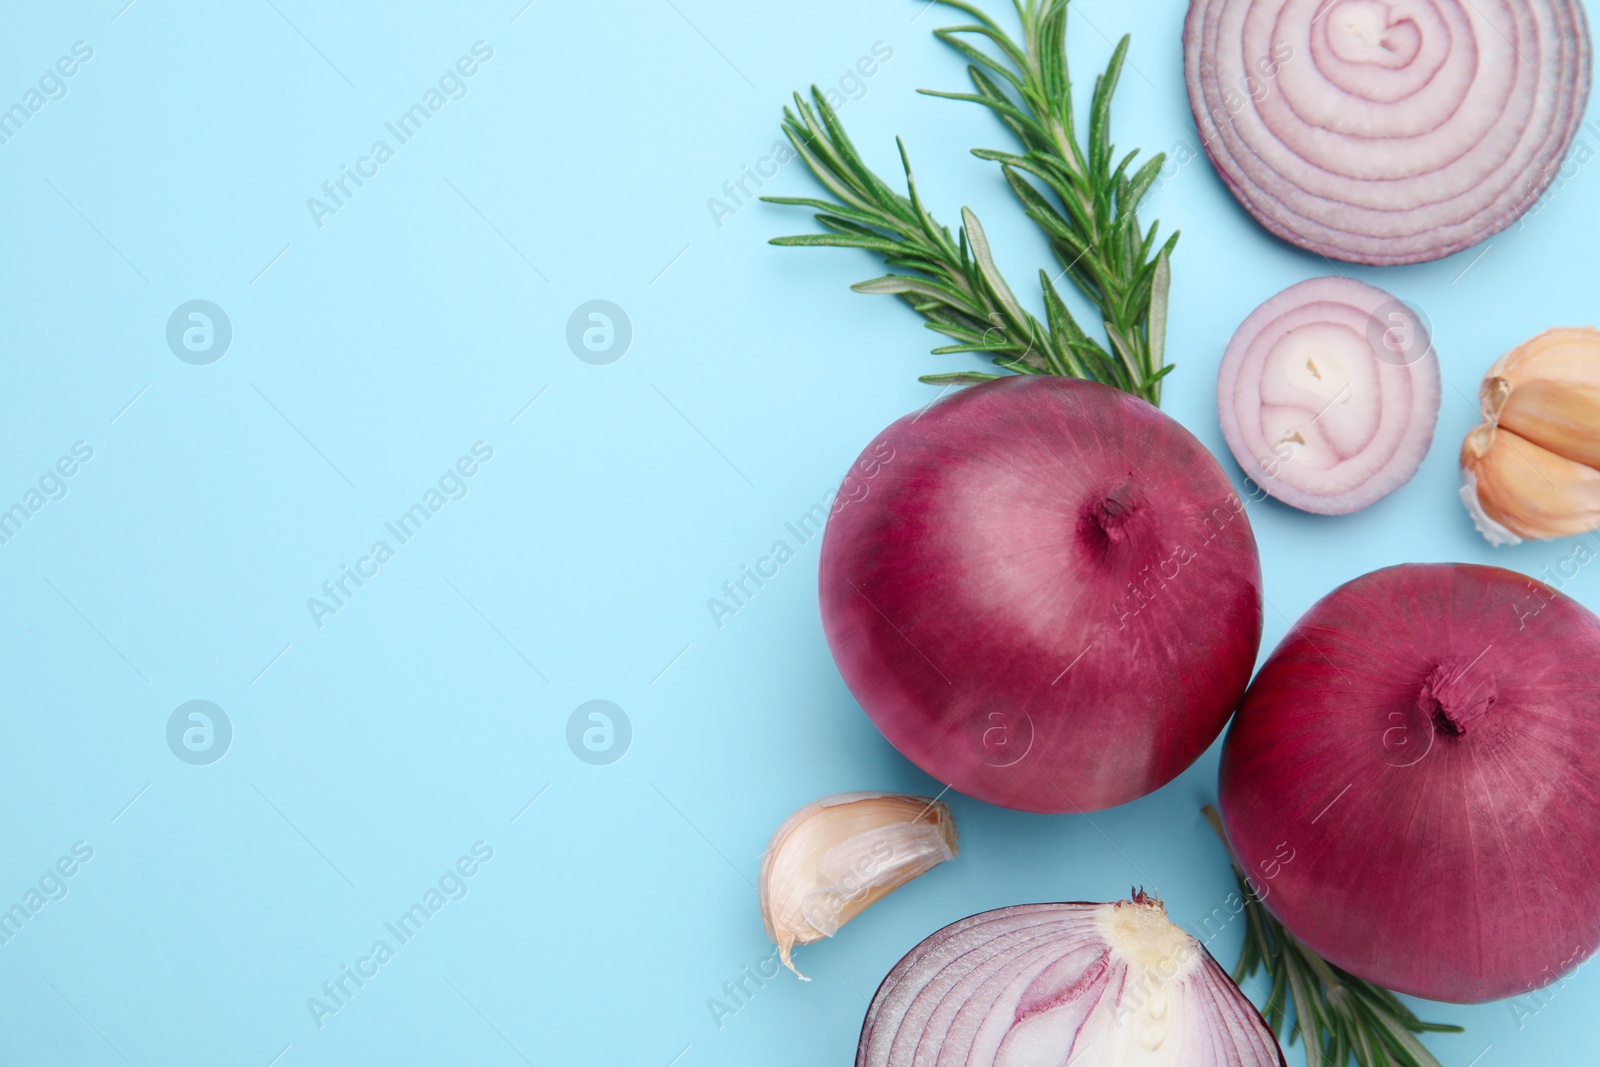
[1095,234]
[1338,1015]
[1085,206]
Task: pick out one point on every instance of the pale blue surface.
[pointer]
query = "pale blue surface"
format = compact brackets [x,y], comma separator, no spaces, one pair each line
[426,714]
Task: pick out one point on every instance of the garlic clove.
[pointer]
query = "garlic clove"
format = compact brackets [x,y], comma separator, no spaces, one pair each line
[1493,531]
[1529,490]
[1568,355]
[1532,469]
[1559,416]
[834,857]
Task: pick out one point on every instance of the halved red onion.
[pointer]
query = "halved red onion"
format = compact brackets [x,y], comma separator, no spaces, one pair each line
[1093,985]
[1328,395]
[1014,596]
[1387,131]
[1427,741]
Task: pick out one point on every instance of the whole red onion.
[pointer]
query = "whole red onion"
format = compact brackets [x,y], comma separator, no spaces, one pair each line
[1050,599]
[1426,742]
[1387,132]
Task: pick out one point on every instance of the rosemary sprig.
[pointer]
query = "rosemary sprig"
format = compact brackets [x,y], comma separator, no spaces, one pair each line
[1351,1017]
[954,284]
[952,281]
[1092,221]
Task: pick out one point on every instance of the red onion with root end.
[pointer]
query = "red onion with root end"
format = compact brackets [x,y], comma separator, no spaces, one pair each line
[1051,600]
[1426,740]
[1093,985]
[1328,395]
[1387,131]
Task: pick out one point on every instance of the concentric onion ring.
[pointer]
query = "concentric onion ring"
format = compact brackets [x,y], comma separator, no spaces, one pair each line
[1328,395]
[1387,131]
[1082,984]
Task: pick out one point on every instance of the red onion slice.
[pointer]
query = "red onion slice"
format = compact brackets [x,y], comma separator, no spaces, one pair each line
[1426,740]
[1328,395]
[1096,985]
[1387,131]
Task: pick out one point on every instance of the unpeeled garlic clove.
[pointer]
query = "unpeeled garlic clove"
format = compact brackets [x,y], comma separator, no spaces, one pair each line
[835,856]
[1515,489]
[1562,418]
[1532,469]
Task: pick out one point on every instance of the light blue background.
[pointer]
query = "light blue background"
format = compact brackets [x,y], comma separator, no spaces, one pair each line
[370,353]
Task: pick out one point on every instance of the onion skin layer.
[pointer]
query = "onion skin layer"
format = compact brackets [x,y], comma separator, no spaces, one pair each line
[1050,599]
[1460,867]
[1387,132]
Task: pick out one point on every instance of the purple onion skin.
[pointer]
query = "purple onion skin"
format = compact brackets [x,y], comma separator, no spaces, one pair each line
[1425,747]
[979,599]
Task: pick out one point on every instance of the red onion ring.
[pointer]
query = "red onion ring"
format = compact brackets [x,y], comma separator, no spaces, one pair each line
[1426,740]
[1063,983]
[1387,131]
[1328,395]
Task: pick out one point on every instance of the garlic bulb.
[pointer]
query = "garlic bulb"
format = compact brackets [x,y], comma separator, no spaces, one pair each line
[835,856]
[1532,469]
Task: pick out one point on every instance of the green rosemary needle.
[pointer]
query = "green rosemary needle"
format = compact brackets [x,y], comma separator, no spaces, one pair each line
[1092,223]
[1337,1014]
[1092,218]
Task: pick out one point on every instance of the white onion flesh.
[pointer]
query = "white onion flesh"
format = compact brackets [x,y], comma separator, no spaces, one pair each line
[1328,395]
[1042,985]
[1387,131]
